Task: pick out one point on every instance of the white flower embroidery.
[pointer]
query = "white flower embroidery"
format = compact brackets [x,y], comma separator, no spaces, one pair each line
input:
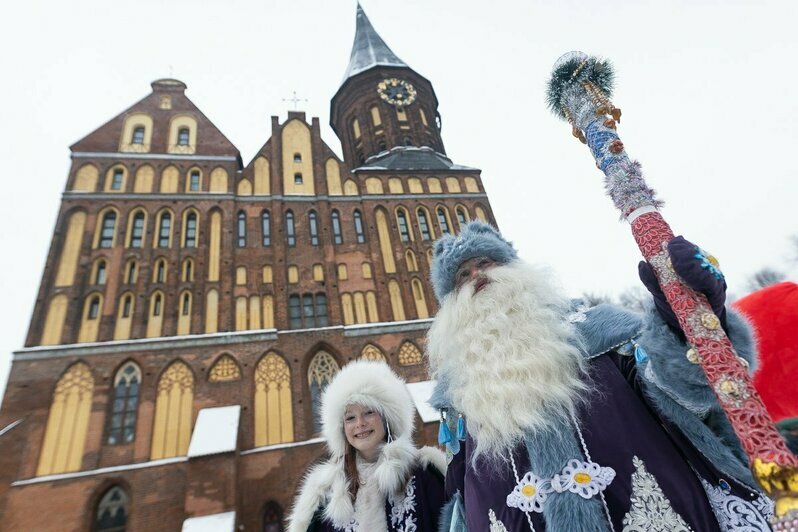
[403,509]
[529,493]
[495,524]
[738,515]
[585,479]
[651,511]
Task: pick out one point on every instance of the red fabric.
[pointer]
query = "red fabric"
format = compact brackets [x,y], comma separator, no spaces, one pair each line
[773,312]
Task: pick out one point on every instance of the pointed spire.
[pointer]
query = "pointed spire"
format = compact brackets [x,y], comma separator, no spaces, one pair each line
[368,50]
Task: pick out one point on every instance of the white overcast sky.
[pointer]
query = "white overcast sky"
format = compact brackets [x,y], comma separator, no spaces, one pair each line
[708,89]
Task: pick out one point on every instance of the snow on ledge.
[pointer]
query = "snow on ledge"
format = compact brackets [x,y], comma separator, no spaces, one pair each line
[225,522]
[216,431]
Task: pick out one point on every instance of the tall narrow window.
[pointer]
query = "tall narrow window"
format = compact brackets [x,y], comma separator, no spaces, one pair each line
[423,224]
[322,369]
[361,235]
[160,271]
[94,308]
[127,305]
[442,221]
[117,178]
[185,305]
[404,229]
[131,272]
[183,136]
[138,135]
[108,229]
[321,310]
[336,227]
[298,178]
[156,305]
[188,270]
[272,517]
[290,235]
[307,310]
[194,181]
[265,225]
[294,312]
[297,157]
[99,274]
[242,229]
[112,511]
[191,230]
[462,218]
[137,233]
[314,228]
[165,230]
[122,428]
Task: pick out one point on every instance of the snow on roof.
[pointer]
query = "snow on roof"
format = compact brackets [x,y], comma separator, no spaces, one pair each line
[225,522]
[421,392]
[216,431]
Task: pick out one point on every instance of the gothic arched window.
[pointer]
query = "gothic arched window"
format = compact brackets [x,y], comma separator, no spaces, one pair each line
[172,426]
[122,423]
[322,369]
[274,421]
[443,220]
[68,422]
[112,511]
[272,517]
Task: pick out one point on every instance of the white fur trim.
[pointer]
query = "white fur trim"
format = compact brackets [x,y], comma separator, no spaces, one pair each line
[371,384]
[432,456]
[326,484]
[313,493]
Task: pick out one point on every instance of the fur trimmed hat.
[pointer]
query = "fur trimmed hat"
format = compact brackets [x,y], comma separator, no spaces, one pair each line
[367,383]
[477,239]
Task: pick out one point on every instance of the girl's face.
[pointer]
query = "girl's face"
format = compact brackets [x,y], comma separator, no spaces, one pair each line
[364,430]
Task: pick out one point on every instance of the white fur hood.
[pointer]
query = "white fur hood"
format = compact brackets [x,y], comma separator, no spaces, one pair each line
[326,486]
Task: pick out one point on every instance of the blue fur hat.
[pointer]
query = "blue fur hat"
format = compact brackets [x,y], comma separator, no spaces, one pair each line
[477,239]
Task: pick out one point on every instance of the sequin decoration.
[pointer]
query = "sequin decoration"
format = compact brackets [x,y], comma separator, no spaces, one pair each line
[651,511]
[586,479]
[708,262]
[529,493]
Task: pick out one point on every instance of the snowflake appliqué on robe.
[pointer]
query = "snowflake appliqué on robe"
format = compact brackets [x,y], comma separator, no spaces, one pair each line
[403,509]
[738,515]
[651,511]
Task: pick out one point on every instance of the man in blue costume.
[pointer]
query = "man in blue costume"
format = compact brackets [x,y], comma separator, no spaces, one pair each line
[579,419]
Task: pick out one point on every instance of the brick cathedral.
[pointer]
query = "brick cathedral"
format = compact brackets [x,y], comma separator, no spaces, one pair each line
[193,308]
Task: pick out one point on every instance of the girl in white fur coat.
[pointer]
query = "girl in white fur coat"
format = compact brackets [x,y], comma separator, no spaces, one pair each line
[375,479]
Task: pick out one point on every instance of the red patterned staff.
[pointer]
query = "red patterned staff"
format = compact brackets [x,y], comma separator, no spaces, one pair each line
[579,92]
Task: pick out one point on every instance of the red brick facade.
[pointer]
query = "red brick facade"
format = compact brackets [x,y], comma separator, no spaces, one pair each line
[162,494]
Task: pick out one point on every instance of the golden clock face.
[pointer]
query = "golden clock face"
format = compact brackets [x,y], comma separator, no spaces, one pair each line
[396,92]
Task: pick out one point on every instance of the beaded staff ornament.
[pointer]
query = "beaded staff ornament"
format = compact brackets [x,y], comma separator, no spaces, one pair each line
[579,92]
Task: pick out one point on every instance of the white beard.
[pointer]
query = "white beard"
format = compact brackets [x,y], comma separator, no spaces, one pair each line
[506,355]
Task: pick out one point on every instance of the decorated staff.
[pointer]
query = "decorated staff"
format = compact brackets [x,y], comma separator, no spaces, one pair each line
[579,92]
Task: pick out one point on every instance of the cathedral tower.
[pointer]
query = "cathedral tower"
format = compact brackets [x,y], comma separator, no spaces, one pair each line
[192,308]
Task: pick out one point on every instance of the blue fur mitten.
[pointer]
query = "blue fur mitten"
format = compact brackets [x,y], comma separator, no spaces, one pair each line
[697,269]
